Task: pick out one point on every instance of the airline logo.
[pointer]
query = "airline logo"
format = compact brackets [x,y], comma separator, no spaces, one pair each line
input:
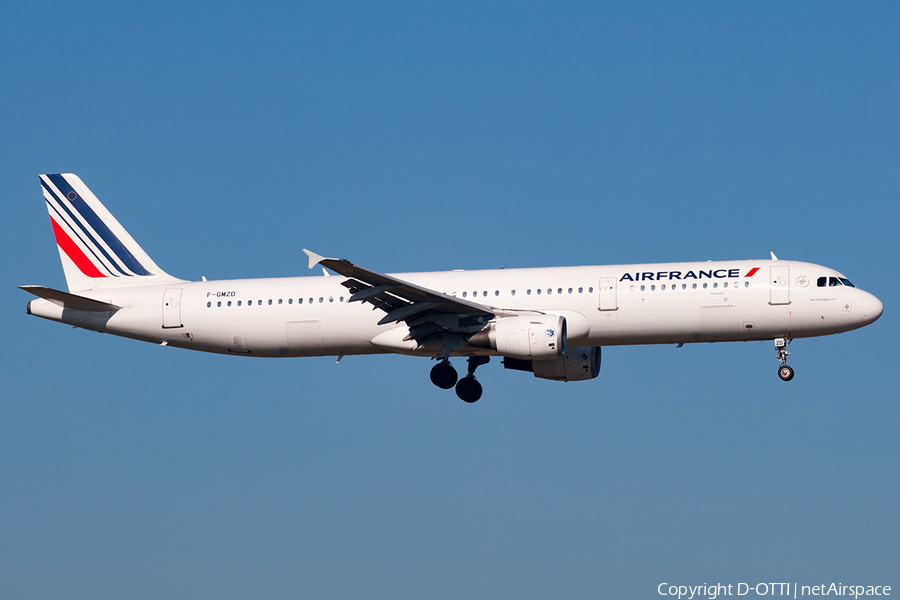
[83,235]
[679,275]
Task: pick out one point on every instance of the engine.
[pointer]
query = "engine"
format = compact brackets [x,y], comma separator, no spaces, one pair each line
[576,364]
[532,337]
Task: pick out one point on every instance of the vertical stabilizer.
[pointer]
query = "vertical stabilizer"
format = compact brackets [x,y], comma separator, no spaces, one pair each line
[95,249]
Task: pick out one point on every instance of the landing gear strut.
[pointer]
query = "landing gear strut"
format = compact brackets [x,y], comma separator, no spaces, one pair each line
[443,375]
[468,389]
[785,372]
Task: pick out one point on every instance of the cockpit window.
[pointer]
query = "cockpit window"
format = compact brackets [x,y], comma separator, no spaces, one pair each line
[833,282]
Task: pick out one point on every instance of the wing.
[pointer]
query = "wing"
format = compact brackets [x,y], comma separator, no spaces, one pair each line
[428,313]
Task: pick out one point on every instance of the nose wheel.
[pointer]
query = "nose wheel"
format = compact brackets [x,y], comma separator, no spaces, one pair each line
[784,372]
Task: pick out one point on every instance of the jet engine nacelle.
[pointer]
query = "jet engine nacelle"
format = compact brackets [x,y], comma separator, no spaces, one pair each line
[576,364]
[532,337]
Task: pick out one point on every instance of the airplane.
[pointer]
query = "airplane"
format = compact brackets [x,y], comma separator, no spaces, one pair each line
[551,322]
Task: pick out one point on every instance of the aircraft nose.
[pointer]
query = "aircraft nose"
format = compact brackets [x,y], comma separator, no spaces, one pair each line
[872,308]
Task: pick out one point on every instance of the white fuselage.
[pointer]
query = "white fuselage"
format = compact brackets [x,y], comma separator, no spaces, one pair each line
[603,305]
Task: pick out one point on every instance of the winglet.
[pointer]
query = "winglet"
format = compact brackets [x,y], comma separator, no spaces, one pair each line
[770,252]
[314,258]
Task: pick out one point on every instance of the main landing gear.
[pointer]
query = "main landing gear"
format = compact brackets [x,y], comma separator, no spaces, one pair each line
[785,372]
[468,389]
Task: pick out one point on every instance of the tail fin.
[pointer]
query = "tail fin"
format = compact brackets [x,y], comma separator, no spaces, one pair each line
[95,249]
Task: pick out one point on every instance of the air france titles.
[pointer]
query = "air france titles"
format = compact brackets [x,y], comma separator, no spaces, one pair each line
[680,276]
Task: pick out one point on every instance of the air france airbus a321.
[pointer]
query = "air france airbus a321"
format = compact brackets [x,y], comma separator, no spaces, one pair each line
[549,321]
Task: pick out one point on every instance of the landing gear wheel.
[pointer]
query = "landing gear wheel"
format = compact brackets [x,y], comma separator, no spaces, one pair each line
[443,375]
[785,372]
[468,389]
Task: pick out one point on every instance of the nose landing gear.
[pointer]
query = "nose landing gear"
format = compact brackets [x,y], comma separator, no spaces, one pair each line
[784,372]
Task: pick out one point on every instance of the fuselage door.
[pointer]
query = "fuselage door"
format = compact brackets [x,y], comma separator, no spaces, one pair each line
[172,309]
[779,284]
[608,293]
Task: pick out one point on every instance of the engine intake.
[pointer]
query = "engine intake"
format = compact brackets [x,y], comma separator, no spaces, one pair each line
[533,337]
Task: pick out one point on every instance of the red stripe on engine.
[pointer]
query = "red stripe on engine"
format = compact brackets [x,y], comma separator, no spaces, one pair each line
[752,272]
[74,252]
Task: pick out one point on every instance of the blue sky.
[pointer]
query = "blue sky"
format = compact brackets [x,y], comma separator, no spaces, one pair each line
[406,137]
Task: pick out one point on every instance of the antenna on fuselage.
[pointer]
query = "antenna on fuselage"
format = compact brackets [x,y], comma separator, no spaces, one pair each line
[773,255]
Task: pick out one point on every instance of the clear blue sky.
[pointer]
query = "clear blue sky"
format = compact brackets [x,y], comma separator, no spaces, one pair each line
[226,137]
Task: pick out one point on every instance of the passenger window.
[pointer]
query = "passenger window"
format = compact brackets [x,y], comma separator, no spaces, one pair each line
[549,291]
[311,300]
[239,302]
[643,288]
[528,292]
[590,290]
[321,299]
[330,299]
[474,294]
[684,286]
[705,285]
[484,293]
[496,292]
[570,289]
[725,284]
[559,291]
[279,301]
[746,284]
[652,288]
[208,304]
[218,304]
[694,286]
[580,290]
[539,291]
[716,284]
[229,303]
[290,300]
[299,300]
[270,302]
[662,287]
[341,299]
[513,293]
[465,294]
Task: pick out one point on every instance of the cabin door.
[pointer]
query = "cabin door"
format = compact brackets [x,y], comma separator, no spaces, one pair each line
[780,285]
[172,309]
[608,294]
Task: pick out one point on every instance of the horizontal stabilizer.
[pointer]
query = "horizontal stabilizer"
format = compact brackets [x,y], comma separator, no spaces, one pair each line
[69,300]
